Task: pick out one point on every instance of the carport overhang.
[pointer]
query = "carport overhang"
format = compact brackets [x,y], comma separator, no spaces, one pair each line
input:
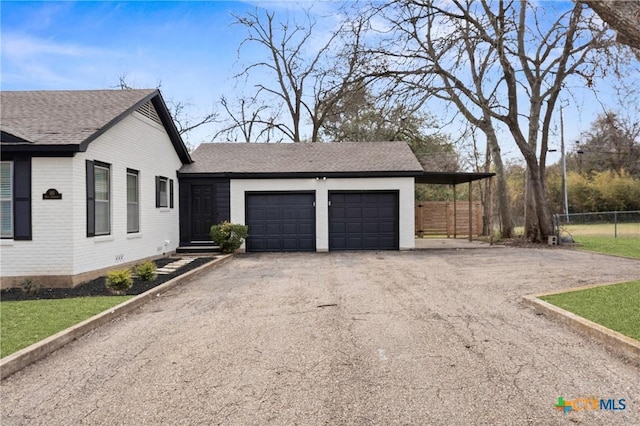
[453,179]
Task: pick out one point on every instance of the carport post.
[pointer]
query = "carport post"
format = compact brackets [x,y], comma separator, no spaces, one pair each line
[470,215]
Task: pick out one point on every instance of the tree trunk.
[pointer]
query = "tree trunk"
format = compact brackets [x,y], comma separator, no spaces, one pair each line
[531,228]
[623,16]
[538,222]
[486,197]
[501,186]
[501,189]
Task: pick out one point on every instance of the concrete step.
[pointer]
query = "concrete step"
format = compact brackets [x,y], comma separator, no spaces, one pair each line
[199,249]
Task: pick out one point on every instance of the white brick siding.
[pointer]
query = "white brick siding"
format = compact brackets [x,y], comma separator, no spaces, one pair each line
[50,251]
[60,245]
[322,188]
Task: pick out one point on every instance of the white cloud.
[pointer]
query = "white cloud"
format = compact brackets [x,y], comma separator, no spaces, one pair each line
[22,47]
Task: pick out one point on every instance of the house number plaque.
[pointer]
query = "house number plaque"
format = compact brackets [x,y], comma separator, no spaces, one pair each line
[52,194]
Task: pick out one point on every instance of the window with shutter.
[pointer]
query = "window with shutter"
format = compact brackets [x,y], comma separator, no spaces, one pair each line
[6,198]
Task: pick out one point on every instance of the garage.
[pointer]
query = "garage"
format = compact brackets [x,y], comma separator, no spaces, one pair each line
[364,220]
[280,221]
[310,196]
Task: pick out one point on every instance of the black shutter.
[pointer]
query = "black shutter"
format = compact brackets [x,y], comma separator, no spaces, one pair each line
[91,199]
[157,191]
[170,193]
[22,199]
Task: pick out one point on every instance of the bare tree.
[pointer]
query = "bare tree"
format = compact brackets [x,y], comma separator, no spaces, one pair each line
[502,64]
[612,144]
[184,122]
[252,121]
[308,81]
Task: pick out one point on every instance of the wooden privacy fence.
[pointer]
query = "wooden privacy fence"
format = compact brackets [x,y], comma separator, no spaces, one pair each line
[439,218]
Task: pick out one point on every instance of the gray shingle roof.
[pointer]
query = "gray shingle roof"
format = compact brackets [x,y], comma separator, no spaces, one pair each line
[63,117]
[266,158]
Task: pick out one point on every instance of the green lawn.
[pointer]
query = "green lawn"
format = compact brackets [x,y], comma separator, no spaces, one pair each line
[614,306]
[629,247]
[27,322]
[602,229]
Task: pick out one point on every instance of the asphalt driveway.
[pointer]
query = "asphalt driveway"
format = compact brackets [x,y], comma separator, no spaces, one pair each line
[341,338]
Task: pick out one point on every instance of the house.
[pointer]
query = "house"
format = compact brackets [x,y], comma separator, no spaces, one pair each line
[89,182]
[304,196]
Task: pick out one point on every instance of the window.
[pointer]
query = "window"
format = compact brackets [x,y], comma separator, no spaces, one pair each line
[6,198]
[15,198]
[103,210]
[98,198]
[133,208]
[164,192]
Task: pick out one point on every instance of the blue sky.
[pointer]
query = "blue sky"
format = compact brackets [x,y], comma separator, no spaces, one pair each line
[190,48]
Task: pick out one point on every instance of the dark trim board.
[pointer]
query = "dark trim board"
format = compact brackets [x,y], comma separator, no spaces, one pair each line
[280,221]
[9,151]
[451,178]
[364,220]
[15,144]
[302,175]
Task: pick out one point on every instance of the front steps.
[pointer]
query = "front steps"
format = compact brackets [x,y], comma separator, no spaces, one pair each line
[199,248]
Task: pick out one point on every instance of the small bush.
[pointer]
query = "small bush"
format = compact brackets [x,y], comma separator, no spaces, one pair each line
[29,287]
[147,271]
[229,236]
[119,281]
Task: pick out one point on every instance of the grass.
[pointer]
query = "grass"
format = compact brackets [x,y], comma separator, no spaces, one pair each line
[24,323]
[612,306]
[603,229]
[600,238]
[629,247]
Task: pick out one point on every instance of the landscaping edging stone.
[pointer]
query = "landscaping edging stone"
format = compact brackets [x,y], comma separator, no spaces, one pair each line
[18,360]
[617,341]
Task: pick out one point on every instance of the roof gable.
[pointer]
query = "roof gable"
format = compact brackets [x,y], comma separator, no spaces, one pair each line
[364,158]
[68,120]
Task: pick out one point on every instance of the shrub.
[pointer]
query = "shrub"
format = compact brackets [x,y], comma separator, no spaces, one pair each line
[29,287]
[119,281]
[229,236]
[147,271]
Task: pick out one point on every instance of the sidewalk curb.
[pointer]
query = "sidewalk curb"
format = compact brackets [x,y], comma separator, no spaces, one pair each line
[618,342]
[24,357]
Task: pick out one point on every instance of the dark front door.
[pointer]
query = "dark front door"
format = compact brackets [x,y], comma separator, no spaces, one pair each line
[202,212]
[281,221]
[363,221]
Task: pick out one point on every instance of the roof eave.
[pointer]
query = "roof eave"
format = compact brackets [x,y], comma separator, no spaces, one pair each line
[156,98]
[11,149]
[301,175]
[169,125]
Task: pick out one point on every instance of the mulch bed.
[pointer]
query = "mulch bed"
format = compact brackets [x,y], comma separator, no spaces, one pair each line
[97,287]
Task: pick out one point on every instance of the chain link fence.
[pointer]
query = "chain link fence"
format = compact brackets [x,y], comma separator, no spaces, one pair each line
[598,224]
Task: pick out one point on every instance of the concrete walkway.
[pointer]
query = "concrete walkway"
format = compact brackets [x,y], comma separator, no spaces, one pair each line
[417,337]
[451,244]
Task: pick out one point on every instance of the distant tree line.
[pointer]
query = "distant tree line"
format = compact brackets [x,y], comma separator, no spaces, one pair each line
[603,171]
[500,67]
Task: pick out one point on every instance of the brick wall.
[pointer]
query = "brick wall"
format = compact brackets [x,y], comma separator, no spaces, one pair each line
[59,246]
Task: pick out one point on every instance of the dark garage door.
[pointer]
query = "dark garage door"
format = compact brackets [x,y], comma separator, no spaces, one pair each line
[363,221]
[281,221]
